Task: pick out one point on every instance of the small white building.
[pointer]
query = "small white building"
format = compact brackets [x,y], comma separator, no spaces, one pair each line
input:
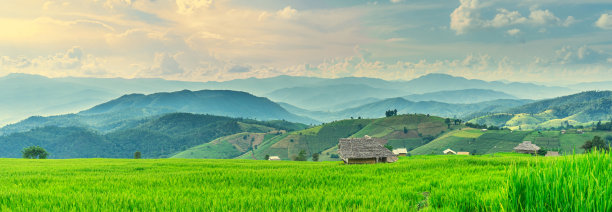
[274,158]
[463,153]
[449,152]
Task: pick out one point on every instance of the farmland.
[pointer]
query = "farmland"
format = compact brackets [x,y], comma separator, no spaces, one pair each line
[430,183]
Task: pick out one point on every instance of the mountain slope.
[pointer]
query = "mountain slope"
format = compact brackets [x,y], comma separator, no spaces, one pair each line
[576,109]
[460,96]
[156,137]
[129,110]
[440,82]
[328,96]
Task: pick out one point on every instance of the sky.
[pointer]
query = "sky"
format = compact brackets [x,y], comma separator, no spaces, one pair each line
[561,41]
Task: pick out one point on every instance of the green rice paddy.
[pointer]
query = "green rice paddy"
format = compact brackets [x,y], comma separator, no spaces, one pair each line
[504,182]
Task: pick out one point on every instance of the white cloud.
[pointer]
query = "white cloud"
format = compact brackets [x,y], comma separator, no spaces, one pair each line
[581,55]
[465,16]
[505,18]
[189,6]
[543,17]
[286,12]
[604,21]
[396,1]
[513,32]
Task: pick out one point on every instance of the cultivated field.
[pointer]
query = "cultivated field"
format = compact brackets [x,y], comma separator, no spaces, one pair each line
[428,183]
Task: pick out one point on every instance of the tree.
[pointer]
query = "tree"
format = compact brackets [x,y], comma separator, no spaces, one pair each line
[34,152]
[267,157]
[542,152]
[596,143]
[405,130]
[137,155]
[315,157]
[389,147]
[301,156]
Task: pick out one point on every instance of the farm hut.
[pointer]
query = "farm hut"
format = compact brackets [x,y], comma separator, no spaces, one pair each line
[552,154]
[364,151]
[400,152]
[463,153]
[449,152]
[527,147]
[484,130]
[274,158]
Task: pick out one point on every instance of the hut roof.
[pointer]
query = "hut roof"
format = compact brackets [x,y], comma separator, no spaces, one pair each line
[362,148]
[527,146]
[449,150]
[463,153]
[274,158]
[400,151]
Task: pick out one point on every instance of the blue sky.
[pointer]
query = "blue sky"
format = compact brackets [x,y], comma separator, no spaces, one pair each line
[202,40]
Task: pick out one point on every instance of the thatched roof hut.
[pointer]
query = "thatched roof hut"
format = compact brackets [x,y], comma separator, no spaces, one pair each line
[463,153]
[400,152]
[449,152]
[364,150]
[527,147]
[274,158]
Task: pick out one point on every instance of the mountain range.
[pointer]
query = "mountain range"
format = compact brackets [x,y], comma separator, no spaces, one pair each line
[30,95]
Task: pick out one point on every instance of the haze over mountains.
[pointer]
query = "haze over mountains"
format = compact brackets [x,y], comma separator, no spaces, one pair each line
[29,95]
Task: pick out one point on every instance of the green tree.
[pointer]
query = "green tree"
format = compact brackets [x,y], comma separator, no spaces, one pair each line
[35,152]
[267,157]
[542,152]
[301,156]
[137,155]
[596,143]
[315,157]
[389,147]
[405,130]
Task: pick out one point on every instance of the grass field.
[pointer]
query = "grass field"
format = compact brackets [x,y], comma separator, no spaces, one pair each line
[428,183]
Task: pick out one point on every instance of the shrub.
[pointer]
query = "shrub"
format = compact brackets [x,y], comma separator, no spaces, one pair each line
[35,152]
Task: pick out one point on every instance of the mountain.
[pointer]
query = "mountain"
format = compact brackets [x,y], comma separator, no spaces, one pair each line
[577,109]
[402,131]
[440,82]
[377,109]
[156,137]
[592,86]
[327,96]
[460,96]
[129,110]
[27,95]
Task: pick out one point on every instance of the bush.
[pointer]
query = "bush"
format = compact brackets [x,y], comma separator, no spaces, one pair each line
[334,156]
[315,157]
[137,155]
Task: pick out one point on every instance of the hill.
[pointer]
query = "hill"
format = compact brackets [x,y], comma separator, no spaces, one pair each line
[128,110]
[329,97]
[476,141]
[156,137]
[441,82]
[577,109]
[465,96]
[400,131]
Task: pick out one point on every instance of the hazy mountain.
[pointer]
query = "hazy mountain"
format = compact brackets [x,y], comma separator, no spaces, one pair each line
[154,137]
[576,109]
[377,109]
[129,110]
[460,96]
[592,86]
[328,96]
[440,82]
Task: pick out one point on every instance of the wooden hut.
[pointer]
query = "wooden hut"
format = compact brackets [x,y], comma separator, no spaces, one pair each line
[274,158]
[463,153]
[527,147]
[449,152]
[400,152]
[364,151]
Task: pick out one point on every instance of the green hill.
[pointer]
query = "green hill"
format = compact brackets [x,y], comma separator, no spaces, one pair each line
[493,141]
[402,131]
[578,109]
[129,110]
[156,137]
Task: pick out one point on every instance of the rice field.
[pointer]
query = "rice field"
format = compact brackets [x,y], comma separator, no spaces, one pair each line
[504,182]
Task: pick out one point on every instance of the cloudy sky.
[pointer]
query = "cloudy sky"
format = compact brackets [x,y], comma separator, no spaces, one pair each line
[201,40]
